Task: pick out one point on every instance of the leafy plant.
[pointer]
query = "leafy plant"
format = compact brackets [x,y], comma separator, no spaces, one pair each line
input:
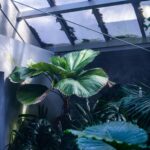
[136,106]
[98,112]
[34,133]
[147,23]
[66,74]
[111,136]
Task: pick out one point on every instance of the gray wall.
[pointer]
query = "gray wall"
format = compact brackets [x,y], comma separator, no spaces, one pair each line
[130,66]
[6,29]
[12,53]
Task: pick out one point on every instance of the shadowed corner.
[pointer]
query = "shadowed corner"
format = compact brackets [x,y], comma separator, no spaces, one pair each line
[2,111]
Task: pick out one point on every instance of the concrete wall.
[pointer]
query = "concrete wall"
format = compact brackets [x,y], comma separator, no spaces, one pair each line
[7,30]
[14,53]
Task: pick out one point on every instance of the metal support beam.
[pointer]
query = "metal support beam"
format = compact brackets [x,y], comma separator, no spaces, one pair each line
[112,45]
[101,23]
[73,7]
[69,31]
[139,15]
[51,2]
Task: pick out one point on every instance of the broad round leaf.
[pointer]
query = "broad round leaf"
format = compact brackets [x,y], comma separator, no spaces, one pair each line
[20,74]
[72,63]
[31,93]
[78,60]
[121,132]
[85,84]
[50,68]
[59,61]
[91,144]
[121,135]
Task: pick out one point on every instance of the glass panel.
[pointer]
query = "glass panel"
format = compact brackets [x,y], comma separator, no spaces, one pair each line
[121,21]
[146,12]
[33,3]
[48,30]
[63,2]
[85,18]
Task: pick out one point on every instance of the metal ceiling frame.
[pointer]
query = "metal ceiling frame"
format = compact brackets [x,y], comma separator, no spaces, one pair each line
[112,45]
[69,31]
[139,16]
[79,6]
[101,24]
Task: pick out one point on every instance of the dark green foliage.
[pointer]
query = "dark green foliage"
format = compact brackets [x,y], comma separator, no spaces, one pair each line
[111,112]
[26,94]
[136,107]
[68,142]
[99,112]
[34,133]
[147,25]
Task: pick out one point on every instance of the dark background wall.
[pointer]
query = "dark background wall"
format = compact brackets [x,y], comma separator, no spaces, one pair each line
[2,110]
[129,66]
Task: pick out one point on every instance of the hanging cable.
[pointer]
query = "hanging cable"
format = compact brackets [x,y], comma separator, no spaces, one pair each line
[10,23]
[47,13]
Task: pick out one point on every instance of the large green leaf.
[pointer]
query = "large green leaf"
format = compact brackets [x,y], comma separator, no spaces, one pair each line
[119,131]
[118,134]
[86,84]
[78,60]
[74,62]
[20,74]
[31,93]
[59,61]
[91,144]
[51,69]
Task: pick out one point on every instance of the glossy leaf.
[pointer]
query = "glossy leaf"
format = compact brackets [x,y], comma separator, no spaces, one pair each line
[31,93]
[91,144]
[115,133]
[20,74]
[74,62]
[85,84]
[78,60]
[119,131]
[59,61]
[49,68]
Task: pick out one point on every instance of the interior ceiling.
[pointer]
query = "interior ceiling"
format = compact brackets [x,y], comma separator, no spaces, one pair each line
[121,21]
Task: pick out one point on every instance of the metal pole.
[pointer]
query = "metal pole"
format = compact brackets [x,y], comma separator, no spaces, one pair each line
[11,23]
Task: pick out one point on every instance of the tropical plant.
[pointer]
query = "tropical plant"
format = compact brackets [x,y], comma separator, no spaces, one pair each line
[34,133]
[111,136]
[147,23]
[66,75]
[87,114]
[136,106]
[98,112]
